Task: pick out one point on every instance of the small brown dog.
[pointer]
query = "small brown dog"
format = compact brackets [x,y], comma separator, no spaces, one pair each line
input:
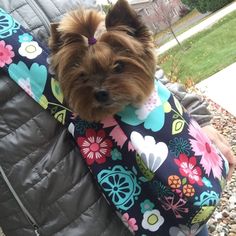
[103,64]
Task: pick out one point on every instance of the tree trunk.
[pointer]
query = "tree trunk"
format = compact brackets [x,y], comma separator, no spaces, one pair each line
[172,31]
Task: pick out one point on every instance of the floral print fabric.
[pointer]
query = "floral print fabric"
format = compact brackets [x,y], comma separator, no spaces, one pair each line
[95,147]
[6,54]
[154,165]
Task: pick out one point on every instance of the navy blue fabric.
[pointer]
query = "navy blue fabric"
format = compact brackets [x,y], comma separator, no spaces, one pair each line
[153,163]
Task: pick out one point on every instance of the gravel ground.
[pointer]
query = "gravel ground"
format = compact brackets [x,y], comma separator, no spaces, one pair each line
[223,221]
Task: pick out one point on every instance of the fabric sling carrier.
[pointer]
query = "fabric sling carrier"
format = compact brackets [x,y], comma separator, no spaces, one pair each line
[153,164]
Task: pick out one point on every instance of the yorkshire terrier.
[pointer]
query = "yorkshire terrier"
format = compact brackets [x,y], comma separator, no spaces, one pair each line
[103,63]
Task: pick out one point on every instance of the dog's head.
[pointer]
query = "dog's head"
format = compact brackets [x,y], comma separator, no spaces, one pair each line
[103,63]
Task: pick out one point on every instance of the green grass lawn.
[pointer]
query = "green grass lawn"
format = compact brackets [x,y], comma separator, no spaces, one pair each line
[204,54]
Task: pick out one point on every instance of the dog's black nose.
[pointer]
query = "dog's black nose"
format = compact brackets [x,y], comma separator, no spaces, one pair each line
[102,96]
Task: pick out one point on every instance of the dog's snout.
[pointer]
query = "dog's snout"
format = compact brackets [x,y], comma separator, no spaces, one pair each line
[102,96]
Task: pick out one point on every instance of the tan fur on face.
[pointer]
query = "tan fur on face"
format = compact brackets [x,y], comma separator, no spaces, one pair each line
[83,70]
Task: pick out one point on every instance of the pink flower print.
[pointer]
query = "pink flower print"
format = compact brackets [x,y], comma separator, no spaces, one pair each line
[6,54]
[25,84]
[95,147]
[177,191]
[177,207]
[188,168]
[152,102]
[130,222]
[202,146]
[116,133]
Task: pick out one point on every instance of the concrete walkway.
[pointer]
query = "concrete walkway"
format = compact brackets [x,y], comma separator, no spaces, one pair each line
[221,88]
[200,27]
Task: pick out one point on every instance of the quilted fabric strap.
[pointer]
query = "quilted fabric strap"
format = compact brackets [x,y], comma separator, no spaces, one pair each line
[154,165]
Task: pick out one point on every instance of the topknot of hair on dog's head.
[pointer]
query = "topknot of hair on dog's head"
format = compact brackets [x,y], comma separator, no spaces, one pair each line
[92,41]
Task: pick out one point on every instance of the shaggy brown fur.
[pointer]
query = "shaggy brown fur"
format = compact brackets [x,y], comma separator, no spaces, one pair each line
[99,80]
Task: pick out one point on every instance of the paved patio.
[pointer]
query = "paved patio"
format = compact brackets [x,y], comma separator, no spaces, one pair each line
[221,88]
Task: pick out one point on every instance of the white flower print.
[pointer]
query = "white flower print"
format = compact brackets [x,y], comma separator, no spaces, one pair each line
[153,154]
[30,49]
[152,220]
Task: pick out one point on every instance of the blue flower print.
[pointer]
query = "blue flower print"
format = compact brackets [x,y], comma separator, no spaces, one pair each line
[25,38]
[160,190]
[207,182]
[147,205]
[207,199]
[178,146]
[116,155]
[8,25]
[120,185]
[154,117]
[32,80]
[81,125]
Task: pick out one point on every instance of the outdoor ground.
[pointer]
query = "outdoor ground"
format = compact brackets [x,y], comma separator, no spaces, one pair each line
[188,21]
[223,223]
[203,54]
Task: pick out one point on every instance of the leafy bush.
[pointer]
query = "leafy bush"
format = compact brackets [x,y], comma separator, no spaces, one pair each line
[204,6]
[184,11]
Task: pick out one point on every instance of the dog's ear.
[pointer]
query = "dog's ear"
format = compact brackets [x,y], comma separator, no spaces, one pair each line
[122,14]
[55,41]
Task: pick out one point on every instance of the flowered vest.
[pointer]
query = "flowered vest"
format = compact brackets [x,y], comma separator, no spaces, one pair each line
[154,165]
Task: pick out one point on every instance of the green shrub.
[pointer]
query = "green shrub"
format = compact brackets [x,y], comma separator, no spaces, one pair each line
[204,6]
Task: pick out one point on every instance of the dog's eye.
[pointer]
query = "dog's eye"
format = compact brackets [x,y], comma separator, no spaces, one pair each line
[82,77]
[119,67]
[82,74]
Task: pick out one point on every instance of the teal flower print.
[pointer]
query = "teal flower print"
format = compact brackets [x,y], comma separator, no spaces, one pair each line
[8,25]
[32,79]
[178,146]
[120,185]
[147,205]
[160,190]
[81,126]
[116,155]
[207,182]
[25,38]
[150,112]
[207,199]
